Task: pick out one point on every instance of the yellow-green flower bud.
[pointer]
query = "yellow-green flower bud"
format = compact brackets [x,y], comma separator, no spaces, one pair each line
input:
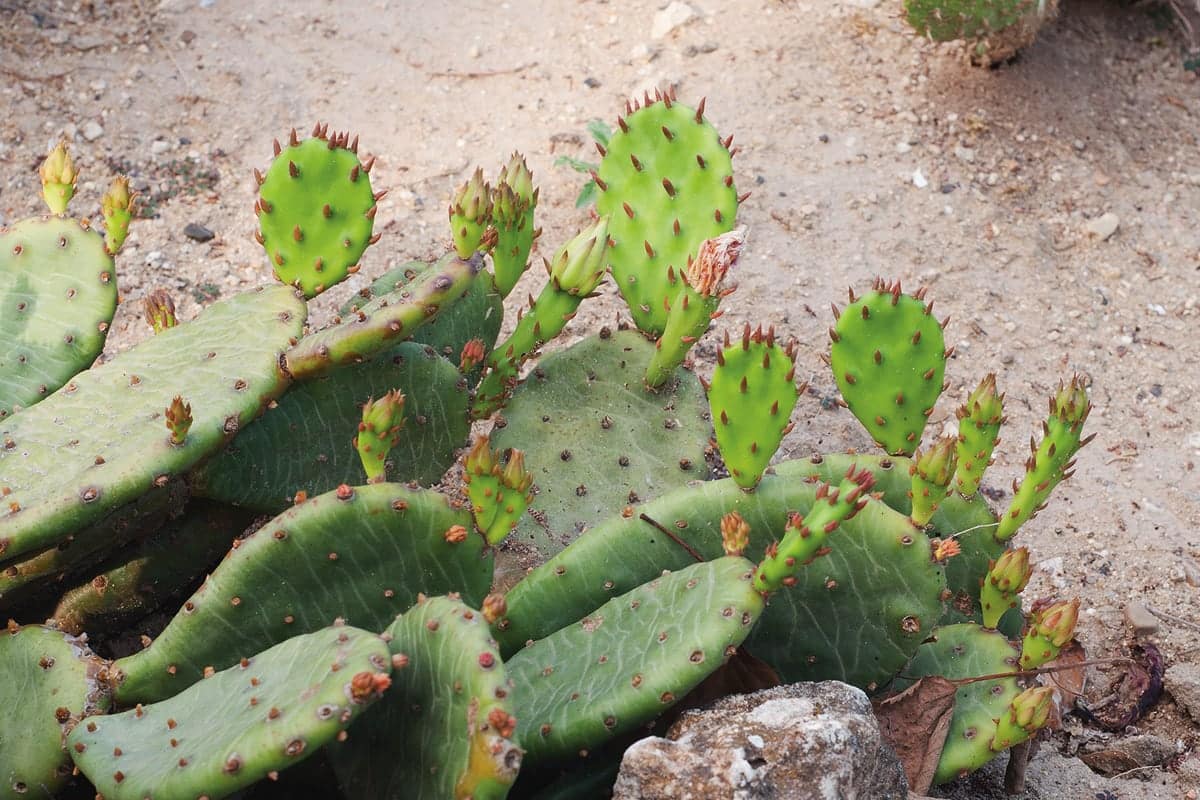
[58,179]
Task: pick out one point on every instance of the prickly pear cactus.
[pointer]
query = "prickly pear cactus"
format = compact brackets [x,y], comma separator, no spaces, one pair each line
[596,441]
[979,421]
[364,554]
[498,492]
[316,210]
[243,724]
[932,472]
[995,29]
[446,727]
[1006,578]
[225,364]
[1049,629]
[513,203]
[59,176]
[304,443]
[968,651]
[632,658]
[116,206]
[58,294]
[477,315]
[752,394]
[51,681]
[666,182]
[889,359]
[470,212]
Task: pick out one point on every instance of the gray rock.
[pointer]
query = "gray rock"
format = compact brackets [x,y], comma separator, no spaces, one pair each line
[1140,619]
[1051,776]
[92,130]
[1130,753]
[1103,226]
[673,16]
[807,741]
[1183,682]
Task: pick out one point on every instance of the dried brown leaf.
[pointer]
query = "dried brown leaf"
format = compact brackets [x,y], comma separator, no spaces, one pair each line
[915,723]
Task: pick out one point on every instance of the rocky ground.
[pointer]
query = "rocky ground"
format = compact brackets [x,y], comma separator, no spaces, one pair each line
[1052,206]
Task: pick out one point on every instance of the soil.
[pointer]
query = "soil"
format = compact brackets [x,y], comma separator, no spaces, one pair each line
[868,151]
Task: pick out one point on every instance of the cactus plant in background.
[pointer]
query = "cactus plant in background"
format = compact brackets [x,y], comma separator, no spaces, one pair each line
[995,30]
[316,210]
[866,568]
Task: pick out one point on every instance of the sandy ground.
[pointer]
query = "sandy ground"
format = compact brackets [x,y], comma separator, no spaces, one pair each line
[868,151]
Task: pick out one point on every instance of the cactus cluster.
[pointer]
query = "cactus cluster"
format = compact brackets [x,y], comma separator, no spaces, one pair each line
[995,30]
[561,582]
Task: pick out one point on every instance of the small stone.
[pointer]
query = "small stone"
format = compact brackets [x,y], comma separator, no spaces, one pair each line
[919,180]
[1130,753]
[1182,680]
[964,154]
[159,146]
[903,147]
[673,16]
[187,37]
[198,232]
[1140,619]
[92,130]
[1103,226]
[591,83]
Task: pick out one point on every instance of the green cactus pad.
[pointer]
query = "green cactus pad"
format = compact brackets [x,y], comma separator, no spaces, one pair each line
[752,394]
[304,443]
[932,473]
[596,440]
[996,29]
[514,201]
[242,724]
[632,658]
[225,363]
[666,181]
[82,549]
[51,681]
[967,651]
[143,577]
[316,210]
[385,321]
[58,294]
[889,359]
[478,315]
[446,727]
[979,421]
[878,577]
[362,554]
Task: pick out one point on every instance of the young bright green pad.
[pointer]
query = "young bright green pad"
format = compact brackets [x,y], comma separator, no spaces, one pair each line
[856,614]
[477,315]
[385,321]
[932,472]
[1051,461]
[666,181]
[263,715]
[225,363]
[362,554]
[513,203]
[947,20]
[967,651]
[596,440]
[632,658]
[304,443]
[139,579]
[752,394]
[50,681]
[316,210]
[979,421]
[58,294]
[889,359]
[446,728]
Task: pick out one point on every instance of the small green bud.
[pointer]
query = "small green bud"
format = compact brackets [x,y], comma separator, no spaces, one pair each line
[379,432]
[58,175]
[735,534]
[516,175]
[178,418]
[932,472]
[1026,714]
[1071,403]
[159,310]
[470,214]
[579,265]
[117,208]
[1050,628]
[1007,576]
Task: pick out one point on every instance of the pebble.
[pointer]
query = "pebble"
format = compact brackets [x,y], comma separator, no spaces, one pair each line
[1103,226]
[1182,680]
[1132,752]
[966,154]
[919,180]
[196,231]
[92,130]
[1140,619]
[159,146]
[673,16]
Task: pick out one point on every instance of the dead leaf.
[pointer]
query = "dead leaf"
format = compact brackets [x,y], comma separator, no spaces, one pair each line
[1068,680]
[915,723]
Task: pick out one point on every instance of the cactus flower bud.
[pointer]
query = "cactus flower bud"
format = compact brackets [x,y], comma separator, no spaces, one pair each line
[1026,714]
[931,473]
[515,476]
[516,175]
[706,272]
[979,421]
[735,534]
[1071,404]
[578,266]
[470,213]
[159,310]
[480,459]
[1007,576]
[58,175]
[178,418]
[498,495]
[1049,629]
[494,608]
[472,355]
[379,432]
[117,207]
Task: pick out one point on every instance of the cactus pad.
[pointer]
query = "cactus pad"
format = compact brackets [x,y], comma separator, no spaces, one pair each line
[514,201]
[304,444]
[752,394]
[316,210]
[446,727]
[889,359]
[50,683]
[968,651]
[498,492]
[116,448]
[241,725]
[996,29]
[364,554]
[666,181]
[979,421]
[632,658]
[58,294]
[596,440]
